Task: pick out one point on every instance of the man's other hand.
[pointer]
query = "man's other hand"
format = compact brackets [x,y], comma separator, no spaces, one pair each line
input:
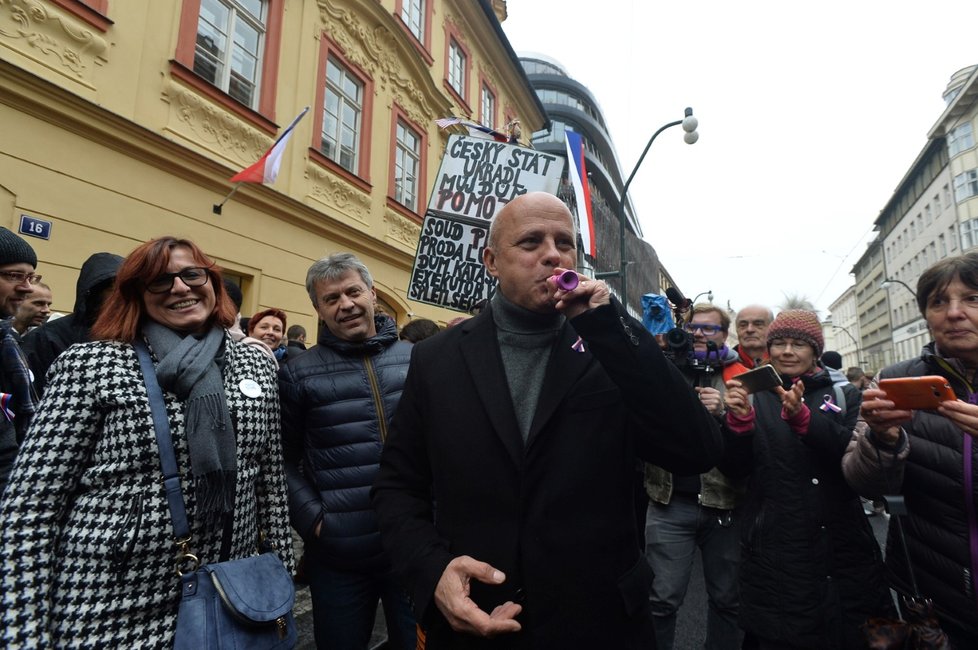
[711,399]
[452,599]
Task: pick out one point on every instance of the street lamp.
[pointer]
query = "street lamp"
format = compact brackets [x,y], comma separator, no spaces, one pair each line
[889,282]
[708,293]
[690,136]
[859,352]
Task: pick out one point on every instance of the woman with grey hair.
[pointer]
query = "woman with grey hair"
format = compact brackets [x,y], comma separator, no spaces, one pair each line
[931,456]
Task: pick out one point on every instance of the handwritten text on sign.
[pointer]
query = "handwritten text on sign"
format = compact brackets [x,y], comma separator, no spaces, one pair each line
[478,177]
[448,268]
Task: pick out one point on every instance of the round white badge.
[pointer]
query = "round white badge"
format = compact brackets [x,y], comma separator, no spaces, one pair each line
[250,388]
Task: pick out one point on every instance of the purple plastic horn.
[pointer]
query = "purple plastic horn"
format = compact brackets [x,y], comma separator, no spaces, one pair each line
[567,280]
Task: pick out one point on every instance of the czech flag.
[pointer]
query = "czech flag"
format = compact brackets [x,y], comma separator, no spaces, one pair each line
[266,169]
[475,130]
[577,174]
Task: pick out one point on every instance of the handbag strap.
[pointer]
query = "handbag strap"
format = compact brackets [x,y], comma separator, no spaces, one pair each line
[969,502]
[164,441]
[896,506]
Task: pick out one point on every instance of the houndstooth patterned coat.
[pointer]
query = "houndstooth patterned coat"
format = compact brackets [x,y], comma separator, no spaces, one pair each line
[86,544]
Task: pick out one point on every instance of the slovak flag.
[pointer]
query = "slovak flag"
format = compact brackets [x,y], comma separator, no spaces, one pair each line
[266,169]
[577,174]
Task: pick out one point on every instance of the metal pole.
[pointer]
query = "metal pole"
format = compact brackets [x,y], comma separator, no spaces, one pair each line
[622,271]
[859,352]
[907,286]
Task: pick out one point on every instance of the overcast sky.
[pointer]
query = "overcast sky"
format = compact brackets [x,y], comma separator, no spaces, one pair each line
[810,114]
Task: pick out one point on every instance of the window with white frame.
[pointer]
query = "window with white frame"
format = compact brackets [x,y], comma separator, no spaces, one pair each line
[969,234]
[412,13]
[456,68]
[230,40]
[342,116]
[407,166]
[488,108]
[960,139]
[966,185]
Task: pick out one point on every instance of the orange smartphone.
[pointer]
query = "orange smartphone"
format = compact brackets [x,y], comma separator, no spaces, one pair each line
[917,392]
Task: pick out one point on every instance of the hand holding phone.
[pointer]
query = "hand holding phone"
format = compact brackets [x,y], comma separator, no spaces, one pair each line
[908,393]
[758,379]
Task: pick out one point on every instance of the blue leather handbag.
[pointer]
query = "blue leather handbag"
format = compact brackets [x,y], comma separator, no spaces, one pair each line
[243,604]
[239,604]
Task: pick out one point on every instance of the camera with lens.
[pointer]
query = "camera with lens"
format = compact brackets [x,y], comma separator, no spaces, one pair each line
[679,341]
[679,344]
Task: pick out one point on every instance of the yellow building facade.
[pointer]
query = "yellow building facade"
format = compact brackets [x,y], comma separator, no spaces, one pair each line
[122,120]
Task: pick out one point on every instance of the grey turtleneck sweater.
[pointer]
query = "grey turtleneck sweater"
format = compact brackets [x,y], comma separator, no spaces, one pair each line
[526,340]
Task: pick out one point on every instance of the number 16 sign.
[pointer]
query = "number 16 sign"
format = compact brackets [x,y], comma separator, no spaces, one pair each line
[35,227]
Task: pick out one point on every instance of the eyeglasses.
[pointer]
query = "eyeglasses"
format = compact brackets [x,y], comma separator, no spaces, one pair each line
[18,277]
[706,328]
[194,276]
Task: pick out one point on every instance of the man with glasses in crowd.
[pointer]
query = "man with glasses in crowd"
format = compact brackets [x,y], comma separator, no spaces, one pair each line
[17,396]
[699,510]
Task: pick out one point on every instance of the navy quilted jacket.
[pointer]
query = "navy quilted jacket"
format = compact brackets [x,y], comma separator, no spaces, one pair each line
[337,401]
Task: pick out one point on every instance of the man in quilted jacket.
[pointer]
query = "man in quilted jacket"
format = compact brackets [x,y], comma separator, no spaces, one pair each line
[337,401]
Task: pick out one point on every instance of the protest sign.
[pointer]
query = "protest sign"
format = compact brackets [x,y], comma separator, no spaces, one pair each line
[476,179]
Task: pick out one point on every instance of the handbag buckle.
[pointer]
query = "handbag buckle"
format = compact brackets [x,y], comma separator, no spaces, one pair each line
[186,562]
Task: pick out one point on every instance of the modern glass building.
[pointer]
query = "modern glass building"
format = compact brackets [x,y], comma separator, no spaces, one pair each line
[572,107]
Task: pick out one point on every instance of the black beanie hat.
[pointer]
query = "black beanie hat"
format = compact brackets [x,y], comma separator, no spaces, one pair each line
[832,359]
[14,250]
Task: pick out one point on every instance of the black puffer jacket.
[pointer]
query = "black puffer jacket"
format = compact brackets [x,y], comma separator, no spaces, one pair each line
[812,570]
[937,527]
[337,401]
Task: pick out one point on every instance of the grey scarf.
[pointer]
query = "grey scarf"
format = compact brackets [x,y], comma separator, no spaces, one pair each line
[190,367]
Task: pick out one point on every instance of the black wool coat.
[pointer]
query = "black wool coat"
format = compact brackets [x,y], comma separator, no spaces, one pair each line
[554,514]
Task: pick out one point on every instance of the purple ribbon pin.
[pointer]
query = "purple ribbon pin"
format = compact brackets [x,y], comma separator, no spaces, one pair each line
[829,405]
[5,406]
